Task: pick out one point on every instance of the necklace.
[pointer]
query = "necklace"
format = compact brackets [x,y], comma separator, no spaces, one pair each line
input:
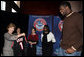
[69,14]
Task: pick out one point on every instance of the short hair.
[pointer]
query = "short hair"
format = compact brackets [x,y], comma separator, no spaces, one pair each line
[66,4]
[11,25]
[47,27]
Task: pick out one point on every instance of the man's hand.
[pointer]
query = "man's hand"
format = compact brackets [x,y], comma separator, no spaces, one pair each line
[70,50]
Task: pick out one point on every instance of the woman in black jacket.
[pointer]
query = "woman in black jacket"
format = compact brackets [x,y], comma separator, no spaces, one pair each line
[47,39]
[19,44]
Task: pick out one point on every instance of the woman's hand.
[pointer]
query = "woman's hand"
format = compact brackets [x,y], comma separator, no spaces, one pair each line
[34,43]
[23,34]
[31,43]
[21,39]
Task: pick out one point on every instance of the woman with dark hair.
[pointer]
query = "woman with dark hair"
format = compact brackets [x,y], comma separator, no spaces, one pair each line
[19,44]
[32,40]
[47,39]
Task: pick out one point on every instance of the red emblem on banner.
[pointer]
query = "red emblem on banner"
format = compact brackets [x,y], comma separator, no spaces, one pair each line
[39,24]
[60,25]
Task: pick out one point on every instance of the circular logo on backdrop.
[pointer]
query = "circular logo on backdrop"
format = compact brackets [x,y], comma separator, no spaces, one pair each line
[60,25]
[39,24]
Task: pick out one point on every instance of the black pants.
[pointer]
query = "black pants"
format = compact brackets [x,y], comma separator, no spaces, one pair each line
[25,51]
[47,52]
[18,52]
[47,49]
[32,51]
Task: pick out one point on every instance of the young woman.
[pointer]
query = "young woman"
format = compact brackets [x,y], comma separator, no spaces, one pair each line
[47,39]
[18,46]
[32,40]
[9,37]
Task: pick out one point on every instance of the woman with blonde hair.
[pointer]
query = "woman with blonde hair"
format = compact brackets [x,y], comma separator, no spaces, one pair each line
[9,37]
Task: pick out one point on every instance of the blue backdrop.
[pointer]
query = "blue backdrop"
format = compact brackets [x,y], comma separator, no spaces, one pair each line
[54,24]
